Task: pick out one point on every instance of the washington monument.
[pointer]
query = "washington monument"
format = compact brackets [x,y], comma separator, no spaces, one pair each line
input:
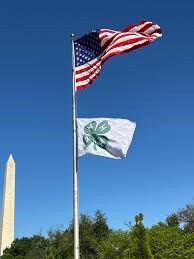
[8,204]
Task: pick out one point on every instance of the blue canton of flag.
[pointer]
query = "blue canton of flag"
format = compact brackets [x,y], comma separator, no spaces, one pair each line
[87,48]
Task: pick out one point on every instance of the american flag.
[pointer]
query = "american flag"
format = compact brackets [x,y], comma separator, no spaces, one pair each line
[94,48]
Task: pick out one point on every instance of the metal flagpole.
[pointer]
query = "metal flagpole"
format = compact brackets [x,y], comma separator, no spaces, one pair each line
[75,161]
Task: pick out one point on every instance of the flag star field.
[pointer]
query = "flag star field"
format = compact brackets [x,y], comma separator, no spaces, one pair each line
[83,48]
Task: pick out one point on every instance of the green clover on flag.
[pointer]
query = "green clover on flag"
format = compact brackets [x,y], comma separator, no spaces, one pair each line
[94,133]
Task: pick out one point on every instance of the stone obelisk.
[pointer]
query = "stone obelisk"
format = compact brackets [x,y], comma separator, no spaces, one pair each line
[8,204]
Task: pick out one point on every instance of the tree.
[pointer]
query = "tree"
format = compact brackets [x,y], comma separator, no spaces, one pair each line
[100,227]
[115,245]
[92,232]
[172,220]
[28,248]
[61,243]
[87,240]
[170,242]
[186,217]
[139,247]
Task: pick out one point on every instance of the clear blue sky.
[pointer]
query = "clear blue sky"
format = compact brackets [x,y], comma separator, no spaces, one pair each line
[153,86]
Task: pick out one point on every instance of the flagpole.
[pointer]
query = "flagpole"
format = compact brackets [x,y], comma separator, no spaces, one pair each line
[75,161]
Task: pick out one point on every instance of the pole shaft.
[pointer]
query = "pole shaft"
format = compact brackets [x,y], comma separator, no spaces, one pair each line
[75,171]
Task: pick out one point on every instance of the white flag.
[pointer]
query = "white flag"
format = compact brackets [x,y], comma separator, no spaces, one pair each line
[104,136]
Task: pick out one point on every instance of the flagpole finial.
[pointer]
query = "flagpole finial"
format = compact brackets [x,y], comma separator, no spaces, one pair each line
[72,35]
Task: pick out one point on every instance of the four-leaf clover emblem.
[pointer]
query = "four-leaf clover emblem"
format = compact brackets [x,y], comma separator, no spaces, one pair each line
[94,133]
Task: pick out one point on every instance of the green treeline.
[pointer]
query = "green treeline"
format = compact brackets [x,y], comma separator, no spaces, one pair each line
[172,239]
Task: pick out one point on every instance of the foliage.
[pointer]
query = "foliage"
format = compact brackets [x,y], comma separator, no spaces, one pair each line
[186,216]
[115,245]
[172,220]
[28,248]
[92,231]
[171,243]
[172,239]
[61,244]
[139,248]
